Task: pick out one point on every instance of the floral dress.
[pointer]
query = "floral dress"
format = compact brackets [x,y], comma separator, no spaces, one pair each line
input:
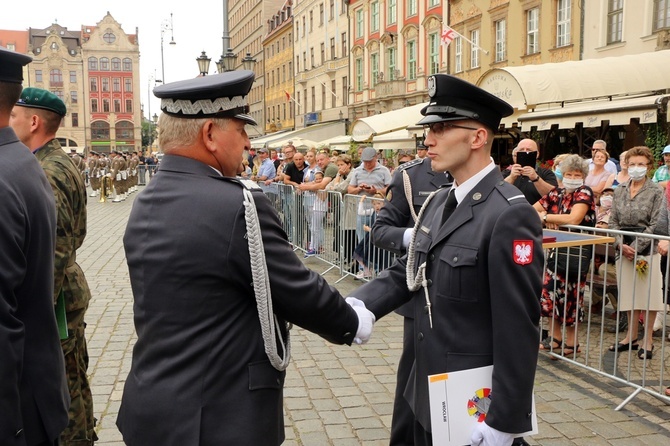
[561,299]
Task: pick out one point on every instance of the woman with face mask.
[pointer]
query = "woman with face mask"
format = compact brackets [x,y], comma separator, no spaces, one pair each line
[636,207]
[563,297]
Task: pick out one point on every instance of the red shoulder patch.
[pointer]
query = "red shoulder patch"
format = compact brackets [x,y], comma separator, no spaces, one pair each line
[522,251]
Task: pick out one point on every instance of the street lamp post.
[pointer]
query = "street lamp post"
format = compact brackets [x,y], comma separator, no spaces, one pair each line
[203,63]
[166,26]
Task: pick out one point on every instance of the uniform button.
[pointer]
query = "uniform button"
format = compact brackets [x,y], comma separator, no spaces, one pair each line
[432,257]
[420,336]
[455,259]
[429,282]
[18,433]
[392,243]
[347,334]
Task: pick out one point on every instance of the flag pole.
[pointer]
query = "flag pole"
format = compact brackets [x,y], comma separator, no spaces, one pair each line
[469,41]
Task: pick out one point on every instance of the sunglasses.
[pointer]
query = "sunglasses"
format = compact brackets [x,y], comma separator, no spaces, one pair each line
[438,128]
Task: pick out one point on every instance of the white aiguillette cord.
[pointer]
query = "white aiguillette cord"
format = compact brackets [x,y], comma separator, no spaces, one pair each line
[419,280]
[259,272]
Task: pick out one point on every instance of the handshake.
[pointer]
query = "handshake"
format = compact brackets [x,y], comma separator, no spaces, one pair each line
[365,320]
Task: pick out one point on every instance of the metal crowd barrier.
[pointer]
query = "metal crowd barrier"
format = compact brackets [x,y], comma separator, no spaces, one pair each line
[604,277]
[145,173]
[331,225]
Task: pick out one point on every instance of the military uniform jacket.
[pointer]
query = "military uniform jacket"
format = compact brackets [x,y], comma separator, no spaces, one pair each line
[31,359]
[395,217]
[70,194]
[484,296]
[200,375]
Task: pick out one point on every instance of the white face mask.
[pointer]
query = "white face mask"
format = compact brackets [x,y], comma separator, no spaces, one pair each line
[606,201]
[637,173]
[572,184]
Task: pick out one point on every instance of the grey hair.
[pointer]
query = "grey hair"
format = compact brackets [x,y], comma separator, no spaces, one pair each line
[600,141]
[573,163]
[175,133]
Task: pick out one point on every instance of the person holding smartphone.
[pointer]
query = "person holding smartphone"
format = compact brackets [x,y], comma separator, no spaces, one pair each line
[533,181]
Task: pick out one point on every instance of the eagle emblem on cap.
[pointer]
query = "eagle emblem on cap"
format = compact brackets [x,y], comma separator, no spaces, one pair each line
[432,87]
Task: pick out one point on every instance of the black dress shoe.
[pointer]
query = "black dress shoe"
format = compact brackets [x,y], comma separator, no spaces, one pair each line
[642,354]
[622,327]
[520,442]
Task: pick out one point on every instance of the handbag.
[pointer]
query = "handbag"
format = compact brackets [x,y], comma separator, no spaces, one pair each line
[571,263]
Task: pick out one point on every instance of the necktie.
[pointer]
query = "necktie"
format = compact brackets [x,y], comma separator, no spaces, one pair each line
[450,206]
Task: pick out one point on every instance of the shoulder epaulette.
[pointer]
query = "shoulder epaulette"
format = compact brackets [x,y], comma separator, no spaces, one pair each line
[511,194]
[248,184]
[408,164]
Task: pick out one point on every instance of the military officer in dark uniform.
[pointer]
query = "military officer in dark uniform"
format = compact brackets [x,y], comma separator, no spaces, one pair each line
[34,397]
[215,283]
[473,268]
[411,184]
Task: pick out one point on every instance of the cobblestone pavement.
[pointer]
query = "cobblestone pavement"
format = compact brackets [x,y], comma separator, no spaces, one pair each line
[340,395]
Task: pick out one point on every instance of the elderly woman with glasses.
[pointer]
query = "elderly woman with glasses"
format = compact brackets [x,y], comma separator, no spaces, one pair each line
[563,291]
[637,207]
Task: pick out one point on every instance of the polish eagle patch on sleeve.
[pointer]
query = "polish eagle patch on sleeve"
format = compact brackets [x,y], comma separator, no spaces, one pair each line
[523,251]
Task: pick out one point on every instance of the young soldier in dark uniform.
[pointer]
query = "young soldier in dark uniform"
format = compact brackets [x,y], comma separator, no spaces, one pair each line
[209,266]
[33,393]
[473,270]
[411,184]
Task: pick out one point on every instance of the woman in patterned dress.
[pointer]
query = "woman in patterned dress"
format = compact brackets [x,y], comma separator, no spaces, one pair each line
[637,204]
[563,297]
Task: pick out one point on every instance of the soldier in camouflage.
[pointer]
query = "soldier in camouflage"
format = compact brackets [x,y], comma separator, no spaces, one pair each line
[36,119]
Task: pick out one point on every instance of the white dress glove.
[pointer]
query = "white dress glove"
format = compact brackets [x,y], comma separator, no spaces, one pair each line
[485,435]
[365,320]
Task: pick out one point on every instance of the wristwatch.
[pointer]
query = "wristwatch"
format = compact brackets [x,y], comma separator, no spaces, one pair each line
[537,178]
[544,217]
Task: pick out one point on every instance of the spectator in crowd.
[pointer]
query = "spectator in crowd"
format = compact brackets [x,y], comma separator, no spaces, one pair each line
[556,168]
[636,207]
[328,169]
[294,172]
[663,228]
[369,258]
[212,305]
[368,180]
[622,176]
[317,216]
[598,178]
[246,170]
[421,151]
[610,165]
[34,396]
[605,255]
[404,156]
[36,118]
[345,222]
[662,174]
[562,296]
[251,154]
[532,181]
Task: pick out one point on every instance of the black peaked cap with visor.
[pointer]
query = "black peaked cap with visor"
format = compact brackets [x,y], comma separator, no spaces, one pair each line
[217,96]
[453,99]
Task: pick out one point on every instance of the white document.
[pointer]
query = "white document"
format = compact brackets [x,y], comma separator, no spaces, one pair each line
[459,400]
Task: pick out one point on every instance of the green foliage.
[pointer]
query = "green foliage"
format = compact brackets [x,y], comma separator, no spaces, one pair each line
[656,140]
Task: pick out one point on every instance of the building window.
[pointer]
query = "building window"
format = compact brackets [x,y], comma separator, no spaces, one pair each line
[474,48]
[661,14]
[390,64]
[532,31]
[94,84]
[323,53]
[297,63]
[345,47]
[105,105]
[331,10]
[614,20]
[411,8]
[104,64]
[116,84]
[56,78]
[94,106]
[374,16]
[411,60]
[500,40]
[391,12]
[109,37]
[458,54]
[433,3]
[321,14]
[359,74]
[117,105]
[38,75]
[92,63]
[563,23]
[74,98]
[304,59]
[116,64]
[311,21]
[304,26]
[333,97]
[129,105]
[100,131]
[374,68]
[345,90]
[323,96]
[105,84]
[311,57]
[313,99]
[127,64]
[75,119]
[433,53]
[332,48]
[359,23]
[73,77]
[127,85]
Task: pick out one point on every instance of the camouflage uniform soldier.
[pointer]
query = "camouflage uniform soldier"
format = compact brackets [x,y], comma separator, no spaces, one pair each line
[36,119]
[94,173]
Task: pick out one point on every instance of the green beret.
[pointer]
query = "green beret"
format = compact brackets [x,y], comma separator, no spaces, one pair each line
[44,99]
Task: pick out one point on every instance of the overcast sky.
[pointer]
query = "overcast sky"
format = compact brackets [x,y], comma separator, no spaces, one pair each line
[196,28]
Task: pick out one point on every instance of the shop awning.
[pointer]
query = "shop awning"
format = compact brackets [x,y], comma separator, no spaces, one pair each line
[591,113]
[525,87]
[340,143]
[363,129]
[316,132]
[397,140]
